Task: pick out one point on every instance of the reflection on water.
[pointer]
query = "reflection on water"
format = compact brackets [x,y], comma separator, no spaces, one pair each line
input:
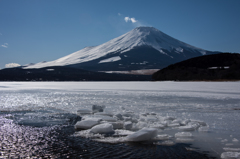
[48,131]
[57,141]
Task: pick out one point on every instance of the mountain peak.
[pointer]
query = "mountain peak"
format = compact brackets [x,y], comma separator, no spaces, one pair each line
[158,40]
[139,37]
[147,29]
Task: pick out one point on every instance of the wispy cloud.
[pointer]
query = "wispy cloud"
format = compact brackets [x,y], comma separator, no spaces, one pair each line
[128,19]
[0,33]
[11,65]
[5,45]
[133,20]
[123,21]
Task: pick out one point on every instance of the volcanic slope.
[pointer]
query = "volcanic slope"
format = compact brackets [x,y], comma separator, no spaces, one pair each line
[140,48]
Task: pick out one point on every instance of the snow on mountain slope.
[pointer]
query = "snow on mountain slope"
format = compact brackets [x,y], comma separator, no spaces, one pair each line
[112,59]
[141,36]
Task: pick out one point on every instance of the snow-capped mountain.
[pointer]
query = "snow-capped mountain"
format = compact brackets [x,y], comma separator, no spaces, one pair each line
[140,48]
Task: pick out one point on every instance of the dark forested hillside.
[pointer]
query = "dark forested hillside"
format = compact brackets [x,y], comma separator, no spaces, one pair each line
[61,73]
[223,66]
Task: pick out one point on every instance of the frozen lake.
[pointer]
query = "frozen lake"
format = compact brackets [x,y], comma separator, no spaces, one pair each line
[215,103]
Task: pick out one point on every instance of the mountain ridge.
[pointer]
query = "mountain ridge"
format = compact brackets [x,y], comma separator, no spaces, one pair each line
[122,53]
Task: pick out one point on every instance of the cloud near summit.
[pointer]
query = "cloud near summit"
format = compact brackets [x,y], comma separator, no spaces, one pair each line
[131,20]
[128,19]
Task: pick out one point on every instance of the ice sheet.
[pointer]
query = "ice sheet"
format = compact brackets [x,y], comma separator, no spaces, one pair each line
[215,103]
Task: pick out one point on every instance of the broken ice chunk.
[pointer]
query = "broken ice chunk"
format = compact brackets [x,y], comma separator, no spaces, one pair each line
[230,155]
[169,118]
[87,124]
[144,114]
[117,125]
[152,113]
[185,122]
[119,116]
[203,129]
[183,134]
[128,114]
[156,125]
[140,125]
[162,137]
[231,149]
[225,140]
[187,128]
[105,128]
[184,140]
[127,125]
[202,123]
[173,125]
[151,119]
[176,121]
[105,118]
[104,114]
[127,118]
[229,144]
[144,134]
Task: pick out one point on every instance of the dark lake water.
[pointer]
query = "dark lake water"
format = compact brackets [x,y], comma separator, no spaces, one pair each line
[53,138]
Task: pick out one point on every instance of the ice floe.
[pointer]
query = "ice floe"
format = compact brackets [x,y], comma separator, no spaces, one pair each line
[144,134]
[87,124]
[230,155]
[105,128]
[183,134]
[231,149]
[127,126]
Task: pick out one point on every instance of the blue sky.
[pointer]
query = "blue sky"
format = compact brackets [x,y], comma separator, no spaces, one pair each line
[43,30]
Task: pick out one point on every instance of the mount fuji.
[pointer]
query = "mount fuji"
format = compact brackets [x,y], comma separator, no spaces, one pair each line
[138,49]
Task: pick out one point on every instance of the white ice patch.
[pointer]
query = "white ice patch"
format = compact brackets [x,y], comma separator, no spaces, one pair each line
[230,155]
[104,114]
[49,69]
[183,135]
[162,137]
[87,124]
[231,149]
[105,128]
[214,68]
[144,134]
[112,59]
[216,103]
[128,126]
[178,50]
[187,128]
[184,140]
[204,129]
